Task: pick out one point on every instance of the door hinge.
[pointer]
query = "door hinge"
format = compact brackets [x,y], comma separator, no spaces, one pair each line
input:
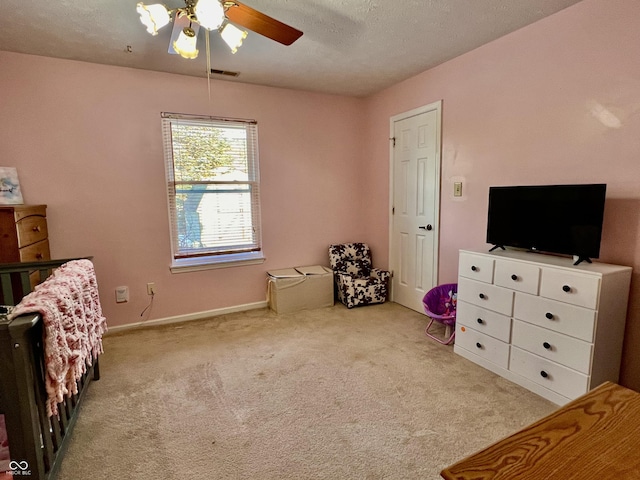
[394,141]
[393,210]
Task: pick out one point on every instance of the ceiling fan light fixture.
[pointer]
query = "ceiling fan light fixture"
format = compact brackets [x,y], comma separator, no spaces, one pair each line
[219,15]
[233,36]
[210,13]
[185,44]
[154,17]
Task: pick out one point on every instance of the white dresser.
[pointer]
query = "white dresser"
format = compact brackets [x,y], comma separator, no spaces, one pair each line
[541,322]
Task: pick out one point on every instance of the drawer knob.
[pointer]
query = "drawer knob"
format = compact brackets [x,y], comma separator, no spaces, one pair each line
[479,345]
[482,296]
[549,315]
[39,256]
[566,288]
[544,374]
[36,228]
[547,345]
[480,321]
[514,277]
[474,268]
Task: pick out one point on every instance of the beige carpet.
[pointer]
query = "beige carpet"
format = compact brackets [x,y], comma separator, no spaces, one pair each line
[322,394]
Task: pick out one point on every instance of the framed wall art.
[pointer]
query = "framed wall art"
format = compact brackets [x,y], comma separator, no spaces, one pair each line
[10,193]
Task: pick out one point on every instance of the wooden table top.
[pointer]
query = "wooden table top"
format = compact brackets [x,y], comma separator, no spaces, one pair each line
[594,437]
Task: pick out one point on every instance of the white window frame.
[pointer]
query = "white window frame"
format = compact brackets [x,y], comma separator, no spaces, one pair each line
[185,260]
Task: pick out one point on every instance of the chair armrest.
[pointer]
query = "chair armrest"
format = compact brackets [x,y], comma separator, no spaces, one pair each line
[380,274]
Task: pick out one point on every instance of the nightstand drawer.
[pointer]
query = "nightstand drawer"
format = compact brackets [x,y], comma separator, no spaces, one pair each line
[487,296]
[23,233]
[574,288]
[36,252]
[553,376]
[477,267]
[31,229]
[518,276]
[559,348]
[489,348]
[561,317]
[491,323]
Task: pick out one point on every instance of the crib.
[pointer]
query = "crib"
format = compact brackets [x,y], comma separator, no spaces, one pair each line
[36,441]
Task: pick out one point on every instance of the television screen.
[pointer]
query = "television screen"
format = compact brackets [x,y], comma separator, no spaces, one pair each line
[562,219]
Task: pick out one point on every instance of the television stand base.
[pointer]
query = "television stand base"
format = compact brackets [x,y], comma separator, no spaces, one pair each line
[579,259]
[496,247]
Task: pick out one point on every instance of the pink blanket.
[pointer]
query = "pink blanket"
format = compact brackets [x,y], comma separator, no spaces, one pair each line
[73,326]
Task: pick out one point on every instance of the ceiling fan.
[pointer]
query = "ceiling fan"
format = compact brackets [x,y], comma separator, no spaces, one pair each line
[220,15]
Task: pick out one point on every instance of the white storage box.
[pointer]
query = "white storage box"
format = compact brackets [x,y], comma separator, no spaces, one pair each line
[301,288]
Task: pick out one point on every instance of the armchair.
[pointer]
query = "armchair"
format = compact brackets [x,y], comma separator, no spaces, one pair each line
[358,283]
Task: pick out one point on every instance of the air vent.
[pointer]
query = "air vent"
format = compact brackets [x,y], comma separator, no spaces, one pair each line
[225,72]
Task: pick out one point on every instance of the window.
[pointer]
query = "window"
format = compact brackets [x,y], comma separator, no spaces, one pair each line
[213,191]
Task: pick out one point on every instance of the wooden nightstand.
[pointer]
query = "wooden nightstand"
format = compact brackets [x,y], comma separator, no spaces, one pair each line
[23,233]
[24,237]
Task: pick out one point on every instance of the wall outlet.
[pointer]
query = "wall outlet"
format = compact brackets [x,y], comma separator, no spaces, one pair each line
[122,294]
[151,288]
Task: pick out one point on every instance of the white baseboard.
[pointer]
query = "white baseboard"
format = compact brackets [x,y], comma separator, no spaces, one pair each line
[188,317]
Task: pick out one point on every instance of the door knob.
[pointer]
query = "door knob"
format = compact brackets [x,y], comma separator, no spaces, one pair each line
[426,227]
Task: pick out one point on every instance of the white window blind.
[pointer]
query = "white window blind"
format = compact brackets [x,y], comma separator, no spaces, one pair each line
[213,186]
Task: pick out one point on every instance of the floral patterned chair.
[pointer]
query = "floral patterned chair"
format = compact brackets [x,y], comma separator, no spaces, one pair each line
[358,283]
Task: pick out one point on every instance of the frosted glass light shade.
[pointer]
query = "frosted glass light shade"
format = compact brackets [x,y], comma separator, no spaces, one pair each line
[233,36]
[210,14]
[154,17]
[185,44]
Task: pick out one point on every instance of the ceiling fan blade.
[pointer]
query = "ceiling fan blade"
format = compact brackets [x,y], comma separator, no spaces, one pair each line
[258,22]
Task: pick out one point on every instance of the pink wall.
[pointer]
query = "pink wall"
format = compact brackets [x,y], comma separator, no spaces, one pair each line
[86,140]
[555,102]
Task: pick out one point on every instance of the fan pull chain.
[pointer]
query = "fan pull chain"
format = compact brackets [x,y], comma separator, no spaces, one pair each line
[206,36]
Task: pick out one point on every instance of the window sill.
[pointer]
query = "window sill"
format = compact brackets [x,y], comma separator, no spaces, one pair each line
[185,265]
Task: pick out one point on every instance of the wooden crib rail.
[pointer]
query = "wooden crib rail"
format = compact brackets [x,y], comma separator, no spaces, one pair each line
[18,279]
[19,392]
[34,437]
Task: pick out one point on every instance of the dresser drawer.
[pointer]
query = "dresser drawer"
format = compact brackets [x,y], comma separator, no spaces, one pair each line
[476,266]
[487,296]
[518,276]
[562,349]
[36,252]
[560,317]
[487,347]
[486,321]
[551,375]
[23,227]
[574,288]
[31,230]
[22,211]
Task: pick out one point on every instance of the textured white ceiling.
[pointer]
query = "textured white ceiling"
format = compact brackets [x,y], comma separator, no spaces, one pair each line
[350,47]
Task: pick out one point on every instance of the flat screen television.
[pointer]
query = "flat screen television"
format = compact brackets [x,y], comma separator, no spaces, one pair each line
[561,219]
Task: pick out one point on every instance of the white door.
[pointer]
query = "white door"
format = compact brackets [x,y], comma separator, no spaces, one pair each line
[415,204]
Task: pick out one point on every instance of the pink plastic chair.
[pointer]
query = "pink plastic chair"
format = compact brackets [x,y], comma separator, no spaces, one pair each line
[440,305]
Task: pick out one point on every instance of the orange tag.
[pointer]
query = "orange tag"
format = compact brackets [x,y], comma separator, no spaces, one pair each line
[462,329]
